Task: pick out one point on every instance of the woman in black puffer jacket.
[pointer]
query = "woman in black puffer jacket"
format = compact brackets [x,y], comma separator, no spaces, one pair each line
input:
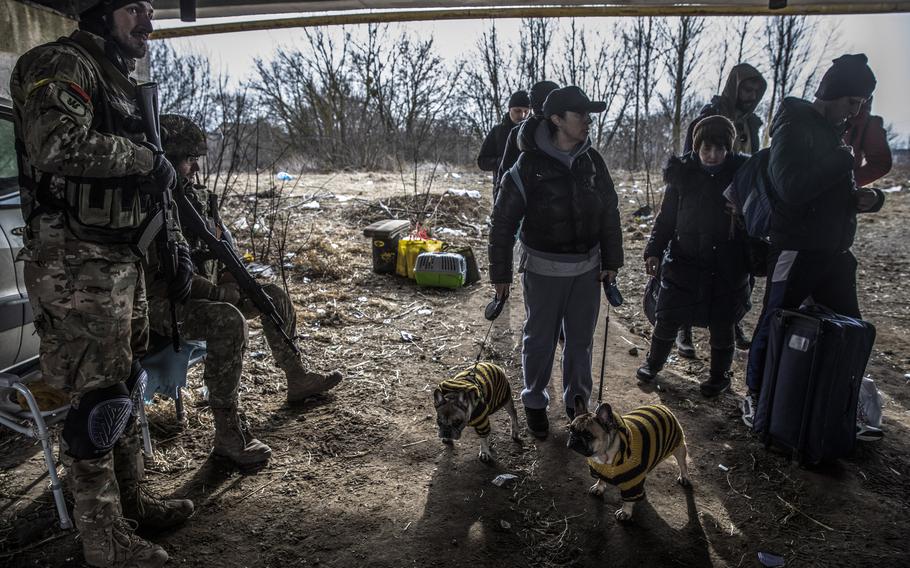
[560,194]
[704,275]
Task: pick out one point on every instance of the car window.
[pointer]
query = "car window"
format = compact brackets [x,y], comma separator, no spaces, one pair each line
[9,172]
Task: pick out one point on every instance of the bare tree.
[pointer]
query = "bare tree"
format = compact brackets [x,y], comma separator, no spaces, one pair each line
[789,42]
[641,47]
[534,48]
[490,76]
[681,58]
[186,83]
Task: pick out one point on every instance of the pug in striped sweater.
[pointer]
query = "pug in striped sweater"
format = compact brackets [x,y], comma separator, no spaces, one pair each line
[622,450]
[468,399]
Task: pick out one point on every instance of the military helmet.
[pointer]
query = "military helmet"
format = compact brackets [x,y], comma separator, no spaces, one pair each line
[181,137]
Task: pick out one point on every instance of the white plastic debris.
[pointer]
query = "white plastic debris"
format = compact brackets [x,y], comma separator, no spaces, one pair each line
[894,189]
[447,232]
[503,479]
[283,176]
[260,270]
[311,205]
[362,299]
[344,198]
[456,176]
[723,467]
[505,524]
[242,224]
[406,337]
[472,193]
[424,312]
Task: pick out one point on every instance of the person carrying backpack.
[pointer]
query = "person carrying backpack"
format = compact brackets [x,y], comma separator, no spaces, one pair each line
[704,278]
[813,222]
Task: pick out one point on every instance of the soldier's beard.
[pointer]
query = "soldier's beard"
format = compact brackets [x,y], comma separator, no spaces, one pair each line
[130,43]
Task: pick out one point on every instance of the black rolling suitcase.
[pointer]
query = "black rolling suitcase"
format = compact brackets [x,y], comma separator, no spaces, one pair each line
[813,371]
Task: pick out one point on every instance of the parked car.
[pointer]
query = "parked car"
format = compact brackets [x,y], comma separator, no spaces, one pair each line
[18,341]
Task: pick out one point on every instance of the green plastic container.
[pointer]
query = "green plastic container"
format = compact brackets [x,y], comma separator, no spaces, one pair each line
[440,270]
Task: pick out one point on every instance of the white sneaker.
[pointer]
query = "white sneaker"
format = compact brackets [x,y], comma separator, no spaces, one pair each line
[748,405]
[866,433]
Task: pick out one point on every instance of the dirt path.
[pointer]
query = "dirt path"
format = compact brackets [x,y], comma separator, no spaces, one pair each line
[359,478]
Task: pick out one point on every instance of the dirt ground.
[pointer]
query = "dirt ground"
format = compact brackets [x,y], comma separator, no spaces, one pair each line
[359,477]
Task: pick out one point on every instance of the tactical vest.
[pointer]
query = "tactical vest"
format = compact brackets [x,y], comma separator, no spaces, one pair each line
[101,210]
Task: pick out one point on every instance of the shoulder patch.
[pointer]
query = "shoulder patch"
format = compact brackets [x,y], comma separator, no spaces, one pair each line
[73,104]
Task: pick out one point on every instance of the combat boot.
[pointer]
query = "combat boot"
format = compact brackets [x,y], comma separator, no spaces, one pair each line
[136,500]
[245,452]
[302,383]
[117,546]
[107,539]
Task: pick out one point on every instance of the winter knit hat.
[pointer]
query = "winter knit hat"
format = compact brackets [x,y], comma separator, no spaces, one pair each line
[519,99]
[716,129]
[92,14]
[849,76]
[539,92]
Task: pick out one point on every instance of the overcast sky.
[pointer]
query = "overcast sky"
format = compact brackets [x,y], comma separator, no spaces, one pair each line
[885,38]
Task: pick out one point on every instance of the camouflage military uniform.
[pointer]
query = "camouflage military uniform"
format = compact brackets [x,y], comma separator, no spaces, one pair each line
[80,164]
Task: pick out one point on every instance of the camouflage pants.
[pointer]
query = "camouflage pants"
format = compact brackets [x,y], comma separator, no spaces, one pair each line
[91,316]
[224,329]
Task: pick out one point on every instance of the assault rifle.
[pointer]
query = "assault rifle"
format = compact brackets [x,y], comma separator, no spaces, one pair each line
[194,224]
[167,239]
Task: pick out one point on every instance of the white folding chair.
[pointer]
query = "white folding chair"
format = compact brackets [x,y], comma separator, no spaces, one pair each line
[34,423]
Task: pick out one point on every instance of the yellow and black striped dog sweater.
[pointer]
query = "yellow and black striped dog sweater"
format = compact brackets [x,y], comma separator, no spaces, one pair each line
[648,435]
[491,387]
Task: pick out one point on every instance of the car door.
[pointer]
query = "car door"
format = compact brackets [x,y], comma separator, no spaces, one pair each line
[18,342]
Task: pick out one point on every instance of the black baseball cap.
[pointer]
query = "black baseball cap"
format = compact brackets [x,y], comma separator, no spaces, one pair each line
[571,98]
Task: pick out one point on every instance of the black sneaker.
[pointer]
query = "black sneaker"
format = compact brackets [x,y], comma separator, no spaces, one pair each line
[715,385]
[538,424]
[742,342]
[646,374]
[684,343]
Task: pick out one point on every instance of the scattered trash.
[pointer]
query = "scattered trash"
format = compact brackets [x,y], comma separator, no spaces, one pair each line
[424,312]
[503,479]
[241,224]
[505,524]
[258,355]
[406,337]
[311,205]
[362,299]
[283,176]
[447,232]
[344,198]
[203,393]
[723,467]
[894,189]
[456,176]
[320,311]
[472,193]
[770,560]
[261,270]
[633,351]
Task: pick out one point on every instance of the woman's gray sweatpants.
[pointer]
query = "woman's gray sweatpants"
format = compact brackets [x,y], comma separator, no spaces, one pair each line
[551,302]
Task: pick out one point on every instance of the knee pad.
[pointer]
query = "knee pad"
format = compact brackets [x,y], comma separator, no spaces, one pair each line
[136,384]
[91,430]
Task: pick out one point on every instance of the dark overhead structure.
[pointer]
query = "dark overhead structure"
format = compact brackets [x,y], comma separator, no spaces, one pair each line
[301,13]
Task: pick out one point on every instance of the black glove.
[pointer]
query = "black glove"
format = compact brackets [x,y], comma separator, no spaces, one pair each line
[163,176]
[178,289]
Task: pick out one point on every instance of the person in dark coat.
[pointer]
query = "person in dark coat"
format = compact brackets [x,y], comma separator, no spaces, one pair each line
[537,95]
[742,93]
[704,280]
[495,143]
[561,197]
[814,223]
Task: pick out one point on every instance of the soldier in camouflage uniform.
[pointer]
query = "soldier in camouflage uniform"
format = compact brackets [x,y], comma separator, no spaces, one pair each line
[87,178]
[217,311]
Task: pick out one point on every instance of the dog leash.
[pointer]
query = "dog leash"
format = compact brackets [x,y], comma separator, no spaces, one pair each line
[603,358]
